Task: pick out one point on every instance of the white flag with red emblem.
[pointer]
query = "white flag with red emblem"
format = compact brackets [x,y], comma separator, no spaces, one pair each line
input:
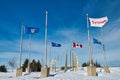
[75,45]
[98,22]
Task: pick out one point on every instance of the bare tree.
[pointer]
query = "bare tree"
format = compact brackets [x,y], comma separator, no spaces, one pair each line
[12,63]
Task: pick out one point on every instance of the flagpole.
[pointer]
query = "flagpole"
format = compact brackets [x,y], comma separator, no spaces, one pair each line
[45,58]
[89,46]
[29,52]
[21,45]
[50,55]
[73,59]
[66,62]
[103,47]
[70,57]
[55,63]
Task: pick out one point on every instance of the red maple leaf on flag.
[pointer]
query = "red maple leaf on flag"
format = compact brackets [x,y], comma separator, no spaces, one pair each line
[76,45]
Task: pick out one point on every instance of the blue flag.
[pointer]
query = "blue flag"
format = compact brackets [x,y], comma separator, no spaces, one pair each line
[31,30]
[55,44]
[95,41]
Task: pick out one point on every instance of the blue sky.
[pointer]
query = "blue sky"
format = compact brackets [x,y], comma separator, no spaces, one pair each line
[66,23]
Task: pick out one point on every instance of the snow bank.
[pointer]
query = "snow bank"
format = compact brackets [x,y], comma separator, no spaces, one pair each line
[69,75]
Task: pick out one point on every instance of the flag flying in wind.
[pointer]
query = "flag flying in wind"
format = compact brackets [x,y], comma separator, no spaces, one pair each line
[98,22]
[55,44]
[95,41]
[75,45]
[31,30]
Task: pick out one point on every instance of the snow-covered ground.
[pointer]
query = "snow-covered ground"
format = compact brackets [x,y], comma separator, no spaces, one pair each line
[69,75]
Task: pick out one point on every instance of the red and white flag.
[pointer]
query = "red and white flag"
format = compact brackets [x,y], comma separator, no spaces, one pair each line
[98,22]
[75,45]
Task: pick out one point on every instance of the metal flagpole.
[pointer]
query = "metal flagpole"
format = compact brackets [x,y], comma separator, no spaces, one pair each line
[21,45]
[71,57]
[29,52]
[55,63]
[89,46]
[45,69]
[45,55]
[50,56]
[66,61]
[104,47]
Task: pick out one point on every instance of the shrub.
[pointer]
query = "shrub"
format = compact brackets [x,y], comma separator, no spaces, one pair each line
[3,68]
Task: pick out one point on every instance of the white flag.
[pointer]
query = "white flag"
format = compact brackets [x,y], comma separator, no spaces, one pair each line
[98,22]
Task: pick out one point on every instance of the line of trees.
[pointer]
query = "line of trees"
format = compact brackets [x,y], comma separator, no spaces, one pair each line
[94,63]
[34,66]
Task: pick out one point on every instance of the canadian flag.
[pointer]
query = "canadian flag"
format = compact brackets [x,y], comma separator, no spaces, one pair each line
[76,45]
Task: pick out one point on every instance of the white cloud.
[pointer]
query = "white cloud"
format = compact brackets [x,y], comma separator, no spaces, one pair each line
[36,46]
[9,55]
[113,31]
[71,34]
[113,55]
[9,45]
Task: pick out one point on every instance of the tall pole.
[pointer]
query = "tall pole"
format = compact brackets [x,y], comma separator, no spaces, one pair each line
[45,58]
[89,46]
[103,47]
[71,57]
[29,52]
[66,62]
[21,45]
[50,56]
[55,63]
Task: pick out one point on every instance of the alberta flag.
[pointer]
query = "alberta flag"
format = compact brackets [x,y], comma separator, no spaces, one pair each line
[95,41]
[31,30]
[98,22]
[55,44]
